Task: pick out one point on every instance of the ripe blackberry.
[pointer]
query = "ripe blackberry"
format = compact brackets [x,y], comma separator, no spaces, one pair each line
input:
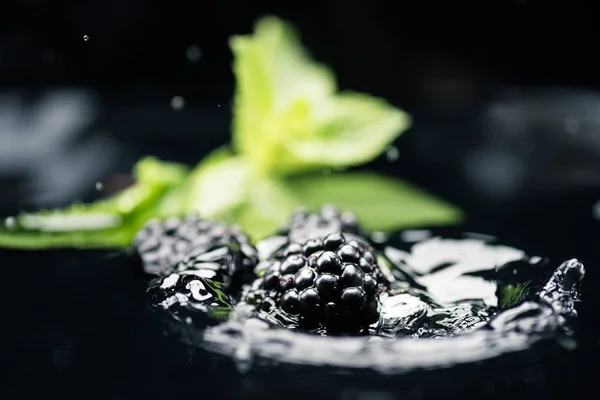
[189,298]
[176,245]
[329,282]
[304,225]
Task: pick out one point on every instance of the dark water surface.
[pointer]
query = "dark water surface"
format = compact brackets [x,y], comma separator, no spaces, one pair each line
[75,325]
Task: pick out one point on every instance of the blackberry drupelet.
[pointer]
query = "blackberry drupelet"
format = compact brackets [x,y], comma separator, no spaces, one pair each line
[304,225]
[329,282]
[189,299]
[176,245]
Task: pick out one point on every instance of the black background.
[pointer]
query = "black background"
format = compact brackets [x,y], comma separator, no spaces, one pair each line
[72,320]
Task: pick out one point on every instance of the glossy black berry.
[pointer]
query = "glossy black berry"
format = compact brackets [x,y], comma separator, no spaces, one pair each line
[292,264]
[352,275]
[294,248]
[371,312]
[304,278]
[328,286]
[370,285]
[271,280]
[310,302]
[331,313]
[304,225]
[312,246]
[349,253]
[334,241]
[369,257]
[353,299]
[175,245]
[286,282]
[290,303]
[365,265]
[328,262]
[334,283]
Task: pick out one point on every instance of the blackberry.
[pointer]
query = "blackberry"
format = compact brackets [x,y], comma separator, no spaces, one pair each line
[220,250]
[304,225]
[189,298]
[330,282]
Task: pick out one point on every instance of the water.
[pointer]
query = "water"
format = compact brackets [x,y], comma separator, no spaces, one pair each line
[455,300]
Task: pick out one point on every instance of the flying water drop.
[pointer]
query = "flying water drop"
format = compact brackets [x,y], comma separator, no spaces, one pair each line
[392,154]
[177,103]
[193,54]
[10,222]
[99,186]
[86,38]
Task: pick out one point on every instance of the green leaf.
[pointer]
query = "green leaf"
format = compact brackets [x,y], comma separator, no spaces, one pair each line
[287,115]
[109,222]
[218,186]
[356,129]
[379,202]
[35,240]
[272,72]
[268,207]
[226,189]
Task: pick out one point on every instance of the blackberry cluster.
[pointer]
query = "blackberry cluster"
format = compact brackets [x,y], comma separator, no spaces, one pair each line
[186,296]
[330,282]
[222,252]
[304,225]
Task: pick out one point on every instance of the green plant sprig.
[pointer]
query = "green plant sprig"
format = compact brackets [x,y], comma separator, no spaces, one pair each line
[290,124]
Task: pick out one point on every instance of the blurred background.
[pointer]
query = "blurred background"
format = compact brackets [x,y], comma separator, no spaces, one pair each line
[504,95]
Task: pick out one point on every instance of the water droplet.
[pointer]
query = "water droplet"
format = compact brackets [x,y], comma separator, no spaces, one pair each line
[99,186]
[86,38]
[193,54]
[177,103]
[218,105]
[327,171]
[392,154]
[10,222]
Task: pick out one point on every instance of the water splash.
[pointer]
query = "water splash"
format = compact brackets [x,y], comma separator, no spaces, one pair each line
[455,300]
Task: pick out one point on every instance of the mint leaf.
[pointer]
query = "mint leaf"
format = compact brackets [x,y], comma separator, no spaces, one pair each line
[269,205]
[225,188]
[109,222]
[273,72]
[218,185]
[379,202]
[287,115]
[354,129]
[35,240]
